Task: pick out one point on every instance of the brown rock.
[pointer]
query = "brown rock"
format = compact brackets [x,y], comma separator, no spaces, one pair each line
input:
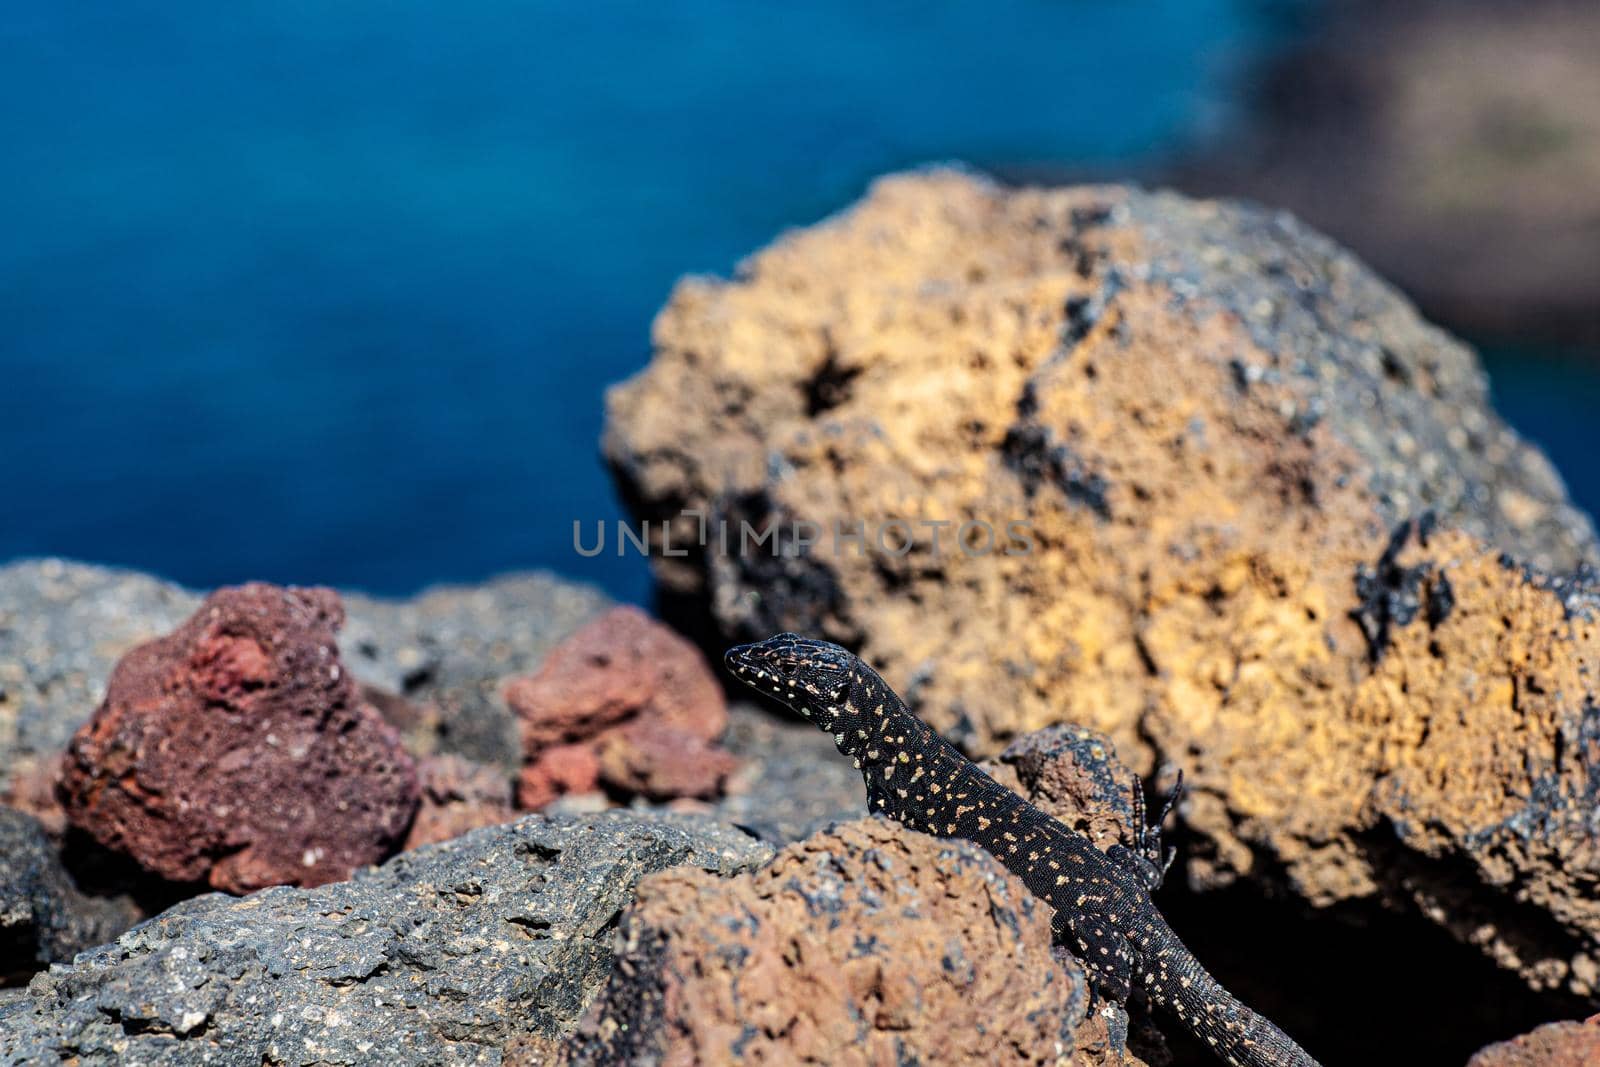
[1564,1044]
[623,703]
[652,760]
[1208,422]
[457,796]
[1073,774]
[236,750]
[33,789]
[865,945]
[558,771]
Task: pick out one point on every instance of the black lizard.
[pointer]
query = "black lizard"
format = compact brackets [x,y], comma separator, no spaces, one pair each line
[1101,899]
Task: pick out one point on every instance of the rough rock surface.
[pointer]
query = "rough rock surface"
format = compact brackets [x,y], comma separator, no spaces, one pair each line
[457,796]
[44,918]
[624,703]
[1564,1044]
[1211,422]
[446,955]
[237,750]
[63,626]
[865,945]
[1073,774]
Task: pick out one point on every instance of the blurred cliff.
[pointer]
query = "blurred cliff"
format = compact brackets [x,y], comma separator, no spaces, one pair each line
[1454,145]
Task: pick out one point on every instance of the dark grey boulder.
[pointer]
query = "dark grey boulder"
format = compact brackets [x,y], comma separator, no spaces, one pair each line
[44,917]
[451,954]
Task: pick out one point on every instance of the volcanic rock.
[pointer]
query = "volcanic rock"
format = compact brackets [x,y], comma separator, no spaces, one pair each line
[63,626]
[449,649]
[44,917]
[237,750]
[1182,451]
[865,945]
[458,795]
[443,655]
[625,703]
[451,954]
[1074,775]
[1563,1044]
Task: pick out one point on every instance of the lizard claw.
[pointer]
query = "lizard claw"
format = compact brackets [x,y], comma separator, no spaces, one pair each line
[1173,797]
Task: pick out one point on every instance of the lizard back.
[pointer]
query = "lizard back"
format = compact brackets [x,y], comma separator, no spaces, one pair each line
[1101,900]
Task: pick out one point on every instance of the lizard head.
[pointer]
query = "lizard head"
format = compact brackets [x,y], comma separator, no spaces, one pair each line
[812,677]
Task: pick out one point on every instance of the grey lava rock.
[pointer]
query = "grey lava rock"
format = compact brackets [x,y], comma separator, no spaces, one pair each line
[44,917]
[792,781]
[447,955]
[451,648]
[63,626]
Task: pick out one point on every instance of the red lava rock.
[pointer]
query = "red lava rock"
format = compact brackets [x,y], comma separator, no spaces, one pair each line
[656,761]
[1563,1044]
[623,703]
[458,795]
[557,771]
[238,750]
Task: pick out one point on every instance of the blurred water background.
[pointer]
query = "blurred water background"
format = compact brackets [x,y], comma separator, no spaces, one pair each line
[329,293]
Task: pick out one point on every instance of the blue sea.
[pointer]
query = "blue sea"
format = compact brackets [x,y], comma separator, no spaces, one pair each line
[329,292]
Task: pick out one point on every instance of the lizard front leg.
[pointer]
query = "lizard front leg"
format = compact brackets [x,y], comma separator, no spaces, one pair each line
[1149,859]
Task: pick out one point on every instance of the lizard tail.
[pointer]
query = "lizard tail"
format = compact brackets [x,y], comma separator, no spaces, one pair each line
[1176,981]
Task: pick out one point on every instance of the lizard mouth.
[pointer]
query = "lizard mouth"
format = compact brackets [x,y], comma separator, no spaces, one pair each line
[758,666]
[741,659]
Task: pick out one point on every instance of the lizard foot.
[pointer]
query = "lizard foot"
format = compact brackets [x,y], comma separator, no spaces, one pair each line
[1149,860]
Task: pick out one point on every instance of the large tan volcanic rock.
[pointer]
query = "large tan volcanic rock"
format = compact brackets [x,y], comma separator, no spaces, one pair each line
[1215,428]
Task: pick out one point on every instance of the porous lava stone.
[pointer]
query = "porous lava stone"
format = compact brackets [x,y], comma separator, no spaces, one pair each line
[625,704]
[237,750]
